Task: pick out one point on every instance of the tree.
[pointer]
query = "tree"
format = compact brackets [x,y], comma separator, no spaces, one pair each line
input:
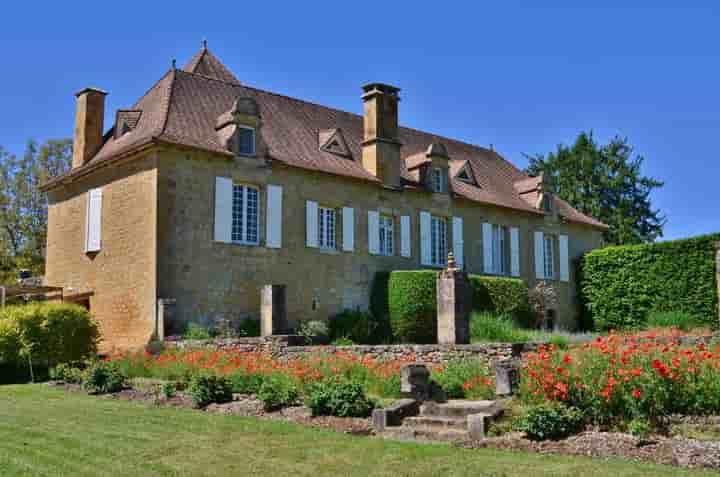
[605,182]
[23,208]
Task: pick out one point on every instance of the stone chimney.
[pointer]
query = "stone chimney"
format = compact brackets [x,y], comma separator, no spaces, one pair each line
[89,116]
[381,147]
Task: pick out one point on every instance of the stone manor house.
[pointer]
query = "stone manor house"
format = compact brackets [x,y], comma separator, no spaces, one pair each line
[207,189]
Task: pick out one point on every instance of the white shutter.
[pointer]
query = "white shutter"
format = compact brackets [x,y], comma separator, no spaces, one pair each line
[457,231]
[348,225]
[564,259]
[223,209]
[539,256]
[311,223]
[405,249]
[487,247]
[425,239]
[274,216]
[514,251]
[373,232]
[93,221]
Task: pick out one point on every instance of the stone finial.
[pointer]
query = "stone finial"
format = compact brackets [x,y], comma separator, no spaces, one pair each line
[204,43]
[451,264]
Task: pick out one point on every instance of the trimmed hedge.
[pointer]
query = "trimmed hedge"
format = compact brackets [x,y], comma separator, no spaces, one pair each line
[622,285]
[408,298]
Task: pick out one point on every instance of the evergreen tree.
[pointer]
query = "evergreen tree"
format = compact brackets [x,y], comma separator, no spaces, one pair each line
[605,182]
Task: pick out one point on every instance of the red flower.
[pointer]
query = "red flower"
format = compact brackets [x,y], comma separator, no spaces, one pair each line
[636,393]
[567,359]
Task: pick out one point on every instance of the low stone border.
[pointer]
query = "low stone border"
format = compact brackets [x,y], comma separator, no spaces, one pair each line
[291,346]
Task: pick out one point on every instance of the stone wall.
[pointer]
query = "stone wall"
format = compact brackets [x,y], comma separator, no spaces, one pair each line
[290,347]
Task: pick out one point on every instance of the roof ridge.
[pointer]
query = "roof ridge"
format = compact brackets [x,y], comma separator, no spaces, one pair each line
[168,98]
[136,103]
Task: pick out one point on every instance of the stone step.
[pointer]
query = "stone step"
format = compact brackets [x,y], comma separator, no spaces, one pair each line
[460,408]
[426,433]
[459,423]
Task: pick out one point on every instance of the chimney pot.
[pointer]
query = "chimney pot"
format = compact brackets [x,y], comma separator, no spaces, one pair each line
[89,117]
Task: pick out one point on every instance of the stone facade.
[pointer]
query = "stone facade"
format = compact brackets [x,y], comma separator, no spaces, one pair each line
[211,279]
[122,275]
[717,273]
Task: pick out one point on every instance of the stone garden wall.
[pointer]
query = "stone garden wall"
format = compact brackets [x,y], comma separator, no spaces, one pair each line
[289,347]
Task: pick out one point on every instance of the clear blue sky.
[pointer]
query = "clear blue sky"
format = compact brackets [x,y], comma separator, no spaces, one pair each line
[517,75]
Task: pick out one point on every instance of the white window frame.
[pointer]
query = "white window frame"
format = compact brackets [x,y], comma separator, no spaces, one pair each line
[386,231]
[549,256]
[499,249]
[254,139]
[438,180]
[240,225]
[438,241]
[327,229]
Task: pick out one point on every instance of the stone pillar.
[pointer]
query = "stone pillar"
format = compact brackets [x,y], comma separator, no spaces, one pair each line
[507,377]
[454,305]
[273,310]
[717,273]
[165,313]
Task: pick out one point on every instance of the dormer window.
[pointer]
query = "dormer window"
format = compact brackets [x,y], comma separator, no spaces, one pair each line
[546,203]
[438,180]
[246,141]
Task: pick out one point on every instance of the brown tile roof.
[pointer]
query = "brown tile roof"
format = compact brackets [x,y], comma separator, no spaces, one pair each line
[184,106]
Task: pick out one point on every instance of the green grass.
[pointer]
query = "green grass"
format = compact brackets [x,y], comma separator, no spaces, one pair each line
[675,319]
[48,432]
[492,328]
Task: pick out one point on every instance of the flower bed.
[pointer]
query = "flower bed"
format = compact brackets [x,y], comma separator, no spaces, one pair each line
[249,370]
[617,379]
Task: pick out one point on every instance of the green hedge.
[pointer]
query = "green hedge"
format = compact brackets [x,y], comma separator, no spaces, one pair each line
[408,298]
[51,333]
[622,285]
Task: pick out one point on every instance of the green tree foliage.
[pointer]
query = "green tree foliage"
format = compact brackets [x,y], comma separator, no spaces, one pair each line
[23,208]
[605,182]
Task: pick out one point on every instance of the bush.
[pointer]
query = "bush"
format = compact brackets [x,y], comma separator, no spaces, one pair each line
[465,379]
[639,428]
[313,329]
[621,286]
[195,331]
[66,373]
[412,306]
[408,298]
[343,341]
[356,326]
[249,327]
[487,327]
[209,388]
[278,391]
[334,397]
[245,383]
[673,319]
[103,377]
[50,333]
[551,421]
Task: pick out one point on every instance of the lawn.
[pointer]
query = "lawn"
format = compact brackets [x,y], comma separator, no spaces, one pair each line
[45,431]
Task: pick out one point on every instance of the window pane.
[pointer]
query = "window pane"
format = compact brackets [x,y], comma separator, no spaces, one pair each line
[386,235]
[252,215]
[326,224]
[247,141]
[238,213]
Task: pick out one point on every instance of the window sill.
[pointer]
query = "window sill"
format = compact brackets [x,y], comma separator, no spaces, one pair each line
[239,244]
[330,251]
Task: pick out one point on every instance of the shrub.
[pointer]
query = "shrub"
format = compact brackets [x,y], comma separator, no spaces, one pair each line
[278,391]
[412,306]
[208,388]
[621,286]
[334,397]
[103,377]
[343,341]
[50,333]
[313,329]
[245,383]
[357,326]
[195,331]
[488,327]
[168,390]
[639,428]
[409,299]
[502,296]
[66,373]
[673,319]
[465,379]
[249,327]
[551,421]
